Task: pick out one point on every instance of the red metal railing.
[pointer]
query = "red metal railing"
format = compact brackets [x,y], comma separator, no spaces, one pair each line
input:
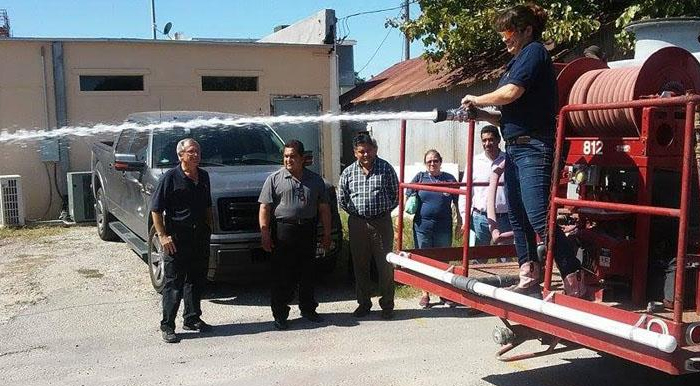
[690,102]
[442,188]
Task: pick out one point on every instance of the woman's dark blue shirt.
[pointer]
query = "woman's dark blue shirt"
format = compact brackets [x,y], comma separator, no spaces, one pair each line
[434,205]
[534,113]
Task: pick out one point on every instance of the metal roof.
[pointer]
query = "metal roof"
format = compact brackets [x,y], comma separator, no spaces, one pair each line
[411,77]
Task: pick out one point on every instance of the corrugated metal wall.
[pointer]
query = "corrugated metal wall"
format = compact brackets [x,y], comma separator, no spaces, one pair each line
[449,138]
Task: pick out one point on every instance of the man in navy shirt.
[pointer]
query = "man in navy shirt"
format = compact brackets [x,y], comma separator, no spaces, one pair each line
[181,212]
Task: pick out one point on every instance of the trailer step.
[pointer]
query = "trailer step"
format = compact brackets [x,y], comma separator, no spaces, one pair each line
[139,246]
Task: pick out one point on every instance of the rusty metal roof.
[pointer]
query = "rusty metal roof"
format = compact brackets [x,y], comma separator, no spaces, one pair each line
[411,77]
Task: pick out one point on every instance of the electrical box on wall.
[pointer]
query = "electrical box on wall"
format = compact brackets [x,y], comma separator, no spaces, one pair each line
[49,150]
[81,203]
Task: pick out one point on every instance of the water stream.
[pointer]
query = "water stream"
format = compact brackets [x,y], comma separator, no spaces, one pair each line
[22,135]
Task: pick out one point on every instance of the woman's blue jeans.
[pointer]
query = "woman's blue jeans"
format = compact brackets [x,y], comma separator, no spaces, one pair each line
[432,233]
[528,175]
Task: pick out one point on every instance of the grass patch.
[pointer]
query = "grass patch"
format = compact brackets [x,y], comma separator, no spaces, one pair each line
[31,232]
[90,273]
[406,292]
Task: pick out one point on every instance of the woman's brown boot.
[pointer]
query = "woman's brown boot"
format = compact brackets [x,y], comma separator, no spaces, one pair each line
[575,286]
[530,278]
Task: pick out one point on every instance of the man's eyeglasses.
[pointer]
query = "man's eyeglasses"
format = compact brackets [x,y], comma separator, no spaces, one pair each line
[191,152]
[433,161]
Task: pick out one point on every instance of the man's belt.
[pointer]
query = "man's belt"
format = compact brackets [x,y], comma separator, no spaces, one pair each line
[296,221]
[188,226]
[370,218]
[484,213]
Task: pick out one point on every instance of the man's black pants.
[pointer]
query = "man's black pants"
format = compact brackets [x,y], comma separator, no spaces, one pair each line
[185,277]
[292,265]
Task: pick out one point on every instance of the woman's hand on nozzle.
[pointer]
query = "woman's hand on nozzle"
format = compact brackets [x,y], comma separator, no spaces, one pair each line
[469,101]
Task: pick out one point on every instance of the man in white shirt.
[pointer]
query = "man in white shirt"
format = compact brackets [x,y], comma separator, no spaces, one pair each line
[484,165]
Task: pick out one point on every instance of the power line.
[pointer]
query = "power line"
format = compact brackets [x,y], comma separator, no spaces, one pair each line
[346,28]
[344,20]
[377,50]
[378,10]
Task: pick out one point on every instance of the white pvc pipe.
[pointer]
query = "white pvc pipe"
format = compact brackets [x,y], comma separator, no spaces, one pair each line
[664,342]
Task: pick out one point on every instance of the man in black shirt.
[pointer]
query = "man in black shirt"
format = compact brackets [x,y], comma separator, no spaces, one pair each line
[181,211]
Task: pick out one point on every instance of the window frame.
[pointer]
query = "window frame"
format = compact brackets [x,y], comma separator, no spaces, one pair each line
[199,73]
[137,78]
[145,73]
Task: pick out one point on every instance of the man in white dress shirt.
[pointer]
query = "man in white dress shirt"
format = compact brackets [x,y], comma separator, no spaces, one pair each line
[484,165]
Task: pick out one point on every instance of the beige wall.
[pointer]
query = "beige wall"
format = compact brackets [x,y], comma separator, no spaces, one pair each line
[23,106]
[171,72]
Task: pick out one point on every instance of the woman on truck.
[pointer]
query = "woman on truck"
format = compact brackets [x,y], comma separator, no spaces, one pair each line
[527,97]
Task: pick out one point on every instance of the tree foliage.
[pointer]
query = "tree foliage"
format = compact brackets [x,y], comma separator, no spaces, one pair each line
[458,30]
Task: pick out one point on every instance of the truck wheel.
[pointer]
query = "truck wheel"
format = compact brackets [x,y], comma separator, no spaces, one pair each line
[103,217]
[156,268]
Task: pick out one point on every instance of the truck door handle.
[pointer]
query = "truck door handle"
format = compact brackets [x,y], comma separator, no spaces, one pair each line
[135,181]
[148,188]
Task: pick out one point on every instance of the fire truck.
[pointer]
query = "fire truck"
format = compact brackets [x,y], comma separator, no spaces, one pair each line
[626,178]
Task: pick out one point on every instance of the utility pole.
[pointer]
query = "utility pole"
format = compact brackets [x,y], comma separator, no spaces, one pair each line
[406,42]
[153,18]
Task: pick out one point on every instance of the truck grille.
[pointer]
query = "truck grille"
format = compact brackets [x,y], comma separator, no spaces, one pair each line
[238,214]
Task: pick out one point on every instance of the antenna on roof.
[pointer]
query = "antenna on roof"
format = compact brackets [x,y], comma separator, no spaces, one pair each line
[166,29]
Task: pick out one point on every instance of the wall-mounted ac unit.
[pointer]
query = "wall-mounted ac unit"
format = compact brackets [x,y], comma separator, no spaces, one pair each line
[11,202]
[81,203]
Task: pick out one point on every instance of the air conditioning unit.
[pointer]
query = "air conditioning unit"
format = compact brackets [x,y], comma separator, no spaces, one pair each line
[81,203]
[11,202]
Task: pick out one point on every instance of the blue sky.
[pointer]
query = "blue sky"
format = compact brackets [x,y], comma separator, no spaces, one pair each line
[212,19]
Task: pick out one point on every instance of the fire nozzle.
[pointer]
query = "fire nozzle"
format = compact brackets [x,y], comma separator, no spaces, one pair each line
[458,114]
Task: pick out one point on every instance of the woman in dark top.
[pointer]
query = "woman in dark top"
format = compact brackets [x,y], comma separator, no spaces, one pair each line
[432,224]
[527,97]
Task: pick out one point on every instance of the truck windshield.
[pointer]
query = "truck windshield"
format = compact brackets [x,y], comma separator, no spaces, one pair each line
[221,146]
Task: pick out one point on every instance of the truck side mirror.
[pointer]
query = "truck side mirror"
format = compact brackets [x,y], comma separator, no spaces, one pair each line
[128,163]
[308,158]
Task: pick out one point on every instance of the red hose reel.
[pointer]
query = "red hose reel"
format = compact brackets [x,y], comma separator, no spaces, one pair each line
[590,81]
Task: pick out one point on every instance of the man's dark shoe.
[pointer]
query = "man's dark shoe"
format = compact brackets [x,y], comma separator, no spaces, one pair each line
[361,311]
[170,337]
[387,314]
[199,325]
[312,316]
[281,324]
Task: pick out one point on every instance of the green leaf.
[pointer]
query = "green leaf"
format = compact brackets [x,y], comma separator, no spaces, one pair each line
[459,29]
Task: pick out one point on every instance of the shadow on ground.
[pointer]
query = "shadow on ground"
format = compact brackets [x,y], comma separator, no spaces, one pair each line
[337,319]
[334,286]
[604,370]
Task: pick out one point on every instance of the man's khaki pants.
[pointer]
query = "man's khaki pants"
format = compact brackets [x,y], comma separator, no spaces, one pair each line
[372,239]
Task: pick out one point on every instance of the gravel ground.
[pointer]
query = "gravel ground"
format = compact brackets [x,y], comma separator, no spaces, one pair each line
[75,310]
